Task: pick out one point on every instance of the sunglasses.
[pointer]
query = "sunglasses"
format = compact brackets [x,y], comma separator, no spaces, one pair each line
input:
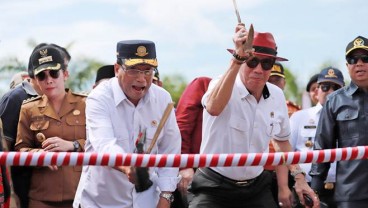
[52,73]
[266,63]
[326,87]
[355,59]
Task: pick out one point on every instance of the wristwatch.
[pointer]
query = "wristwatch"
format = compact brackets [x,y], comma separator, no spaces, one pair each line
[168,196]
[76,145]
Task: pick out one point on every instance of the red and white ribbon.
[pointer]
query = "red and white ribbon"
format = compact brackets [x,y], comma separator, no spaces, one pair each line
[181,160]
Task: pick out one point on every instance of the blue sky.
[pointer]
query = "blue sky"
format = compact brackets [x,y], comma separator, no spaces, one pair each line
[191,36]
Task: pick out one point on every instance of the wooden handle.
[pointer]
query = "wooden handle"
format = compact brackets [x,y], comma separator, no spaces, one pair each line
[164,118]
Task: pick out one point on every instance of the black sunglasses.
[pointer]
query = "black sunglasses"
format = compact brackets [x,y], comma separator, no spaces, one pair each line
[325,87]
[355,59]
[266,63]
[52,73]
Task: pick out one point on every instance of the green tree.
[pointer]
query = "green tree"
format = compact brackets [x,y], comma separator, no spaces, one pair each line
[292,91]
[175,85]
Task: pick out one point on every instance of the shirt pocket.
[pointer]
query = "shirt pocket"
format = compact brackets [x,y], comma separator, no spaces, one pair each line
[75,120]
[239,131]
[75,127]
[273,127]
[348,124]
[39,125]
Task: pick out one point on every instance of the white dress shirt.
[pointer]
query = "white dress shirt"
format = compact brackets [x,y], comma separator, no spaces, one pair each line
[245,126]
[303,126]
[113,124]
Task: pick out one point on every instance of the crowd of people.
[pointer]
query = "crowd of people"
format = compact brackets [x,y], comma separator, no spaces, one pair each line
[242,111]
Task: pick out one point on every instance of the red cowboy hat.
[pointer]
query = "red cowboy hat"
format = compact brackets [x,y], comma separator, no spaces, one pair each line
[264,44]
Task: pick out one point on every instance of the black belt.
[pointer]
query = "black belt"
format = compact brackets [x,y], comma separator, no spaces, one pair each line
[217,176]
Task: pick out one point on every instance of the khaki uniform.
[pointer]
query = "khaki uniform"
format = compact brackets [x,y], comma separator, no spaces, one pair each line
[36,116]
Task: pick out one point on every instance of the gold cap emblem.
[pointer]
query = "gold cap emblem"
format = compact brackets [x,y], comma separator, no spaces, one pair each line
[358,42]
[44,58]
[141,51]
[331,73]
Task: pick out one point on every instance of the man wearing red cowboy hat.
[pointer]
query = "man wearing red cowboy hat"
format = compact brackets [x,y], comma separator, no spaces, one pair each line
[242,113]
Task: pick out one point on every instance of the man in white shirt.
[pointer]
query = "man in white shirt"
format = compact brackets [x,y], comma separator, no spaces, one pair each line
[118,112]
[242,113]
[304,124]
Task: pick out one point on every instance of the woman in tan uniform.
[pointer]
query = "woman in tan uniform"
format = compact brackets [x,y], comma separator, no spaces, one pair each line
[54,122]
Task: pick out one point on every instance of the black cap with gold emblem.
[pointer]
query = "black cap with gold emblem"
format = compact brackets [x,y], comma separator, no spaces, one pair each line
[278,70]
[137,52]
[331,74]
[358,42]
[46,58]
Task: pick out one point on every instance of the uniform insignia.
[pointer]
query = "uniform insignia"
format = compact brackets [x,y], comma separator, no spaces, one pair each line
[31,99]
[40,137]
[76,112]
[331,73]
[311,121]
[309,143]
[154,123]
[358,42]
[141,51]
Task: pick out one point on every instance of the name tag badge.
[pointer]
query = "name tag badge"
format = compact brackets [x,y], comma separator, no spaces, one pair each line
[309,131]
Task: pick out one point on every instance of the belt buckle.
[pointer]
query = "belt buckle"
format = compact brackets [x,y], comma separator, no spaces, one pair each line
[243,183]
[329,186]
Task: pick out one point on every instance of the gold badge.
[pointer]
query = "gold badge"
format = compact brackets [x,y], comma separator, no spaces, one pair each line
[40,137]
[309,144]
[76,112]
[154,123]
[44,58]
[276,68]
[43,53]
[141,51]
[331,73]
[358,42]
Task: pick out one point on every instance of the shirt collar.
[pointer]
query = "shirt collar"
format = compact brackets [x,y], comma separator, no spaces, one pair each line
[352,89]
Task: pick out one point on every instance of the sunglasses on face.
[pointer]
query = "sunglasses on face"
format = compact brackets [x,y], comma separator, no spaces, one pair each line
[266,63]
[52,73]
[326,87]
[355,59]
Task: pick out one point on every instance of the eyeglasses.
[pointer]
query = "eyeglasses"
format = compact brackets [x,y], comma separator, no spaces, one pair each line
[136,72]
[325,87]
[355,59]
[266,63]
[52,73]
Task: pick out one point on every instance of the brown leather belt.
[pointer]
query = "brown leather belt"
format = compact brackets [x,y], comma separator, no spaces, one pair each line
[217,176]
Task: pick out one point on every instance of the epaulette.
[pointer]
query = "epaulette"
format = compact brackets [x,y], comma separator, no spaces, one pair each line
[83,94]
[31,99]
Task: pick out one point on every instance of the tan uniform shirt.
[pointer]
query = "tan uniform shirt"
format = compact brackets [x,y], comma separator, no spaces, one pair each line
[36,116]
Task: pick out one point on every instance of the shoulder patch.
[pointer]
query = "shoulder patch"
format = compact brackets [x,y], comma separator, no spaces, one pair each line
[83,94]
[31,99]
